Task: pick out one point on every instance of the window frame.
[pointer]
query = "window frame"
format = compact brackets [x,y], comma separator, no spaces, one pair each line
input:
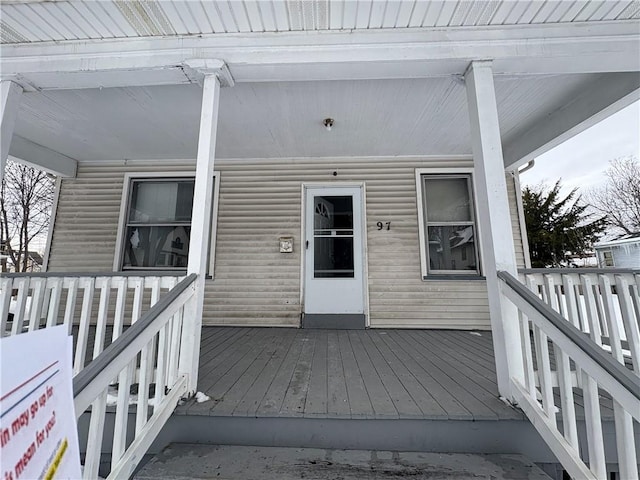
[129,179]
[446,173]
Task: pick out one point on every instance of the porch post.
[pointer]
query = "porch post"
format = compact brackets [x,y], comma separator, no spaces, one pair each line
[200,228]
[10,93]
[494,220]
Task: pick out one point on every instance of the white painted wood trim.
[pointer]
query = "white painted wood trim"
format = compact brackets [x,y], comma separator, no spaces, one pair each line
[421,219]
[52,223]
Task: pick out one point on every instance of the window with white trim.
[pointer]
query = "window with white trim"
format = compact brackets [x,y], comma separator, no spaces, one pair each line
[158,223]
[448,230]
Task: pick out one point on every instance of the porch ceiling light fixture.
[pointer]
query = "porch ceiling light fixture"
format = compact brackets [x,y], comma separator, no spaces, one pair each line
[328,123]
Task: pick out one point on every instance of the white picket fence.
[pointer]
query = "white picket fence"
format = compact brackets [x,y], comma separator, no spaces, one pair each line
[567,370]
[146,316]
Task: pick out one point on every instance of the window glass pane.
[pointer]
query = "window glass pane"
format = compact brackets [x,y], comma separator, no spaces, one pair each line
[161,201]
[447,200]
[157,247]
[452,248]
[333,237]
[333,213]
[333,257]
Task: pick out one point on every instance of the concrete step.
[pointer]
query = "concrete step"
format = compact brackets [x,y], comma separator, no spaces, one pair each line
[182,461]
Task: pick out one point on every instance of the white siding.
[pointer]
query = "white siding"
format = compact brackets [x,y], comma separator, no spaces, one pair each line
[260,202]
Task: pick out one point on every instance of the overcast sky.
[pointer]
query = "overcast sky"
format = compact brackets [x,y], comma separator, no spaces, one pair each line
[582,160]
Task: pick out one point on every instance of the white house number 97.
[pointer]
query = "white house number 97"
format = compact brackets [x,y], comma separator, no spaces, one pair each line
[385,225]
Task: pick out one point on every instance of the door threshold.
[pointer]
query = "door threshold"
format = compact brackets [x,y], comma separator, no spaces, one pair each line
[335,321]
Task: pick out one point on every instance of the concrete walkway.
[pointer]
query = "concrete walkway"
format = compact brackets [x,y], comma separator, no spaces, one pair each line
[191,461]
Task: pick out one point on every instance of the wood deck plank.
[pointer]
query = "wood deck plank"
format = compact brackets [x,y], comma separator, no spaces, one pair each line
[249,404]
[296,396]
[428,405]
[454,409]
[472,385]
[337,397]
[479,410]
[382,403]
[272,400]
[402,400]
[359,401]
[237,392]
[317,395]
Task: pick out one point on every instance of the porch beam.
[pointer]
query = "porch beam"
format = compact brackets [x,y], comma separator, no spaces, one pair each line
[525,49]
[10,94]
[604,97]
[29,153]
[496,237]
[200,224]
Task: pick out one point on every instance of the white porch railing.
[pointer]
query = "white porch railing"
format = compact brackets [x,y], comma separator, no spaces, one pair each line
[41,300]
[553,347]
[144,350]
[605,303]
[153,344]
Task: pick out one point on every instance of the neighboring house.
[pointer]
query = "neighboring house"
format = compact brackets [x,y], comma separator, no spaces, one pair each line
[383,139]
[622,253]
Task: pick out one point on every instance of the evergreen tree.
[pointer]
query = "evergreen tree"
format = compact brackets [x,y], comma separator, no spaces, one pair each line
[557,226]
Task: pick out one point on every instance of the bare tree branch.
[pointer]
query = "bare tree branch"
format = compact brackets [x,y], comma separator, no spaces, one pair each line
[25,210]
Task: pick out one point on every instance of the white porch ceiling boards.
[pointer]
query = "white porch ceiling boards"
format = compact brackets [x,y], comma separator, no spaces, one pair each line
[284,119]
[43,21]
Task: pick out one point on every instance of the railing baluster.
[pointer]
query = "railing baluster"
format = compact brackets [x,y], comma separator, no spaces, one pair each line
[85,319]
[593,420]
[174,356]
[70,307]
[54,302]
[161,367]
[142,411]
[6,289]
[94,437]
[525,335]
[37,298]
[103,311]
[122,413]
[592,313]
[630,323]
[121,299]
[544,373]
[21,301]
[567,402]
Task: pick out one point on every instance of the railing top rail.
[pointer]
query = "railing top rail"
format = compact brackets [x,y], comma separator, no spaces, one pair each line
[127,273]
[86,376]
[580,270]
[619,372]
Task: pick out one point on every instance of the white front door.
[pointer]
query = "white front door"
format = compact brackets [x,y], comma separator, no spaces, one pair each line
[334,273]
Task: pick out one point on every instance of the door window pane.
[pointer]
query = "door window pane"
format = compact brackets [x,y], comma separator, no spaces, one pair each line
[333,237]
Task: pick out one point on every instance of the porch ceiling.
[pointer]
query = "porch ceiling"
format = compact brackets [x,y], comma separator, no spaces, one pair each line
[26,21]
[284,119]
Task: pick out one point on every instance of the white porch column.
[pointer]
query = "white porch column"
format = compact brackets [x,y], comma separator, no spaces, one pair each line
[200,227]
[494,220]
[10,93]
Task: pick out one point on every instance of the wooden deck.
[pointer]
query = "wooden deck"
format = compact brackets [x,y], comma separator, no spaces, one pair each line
[357,374]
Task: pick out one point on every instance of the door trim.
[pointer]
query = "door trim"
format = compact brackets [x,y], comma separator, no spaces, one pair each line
[303,235]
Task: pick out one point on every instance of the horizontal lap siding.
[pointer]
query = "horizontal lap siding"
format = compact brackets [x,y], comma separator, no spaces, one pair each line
[259,202]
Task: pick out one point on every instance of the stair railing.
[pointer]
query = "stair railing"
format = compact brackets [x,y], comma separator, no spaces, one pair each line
[554,348]
[153,346]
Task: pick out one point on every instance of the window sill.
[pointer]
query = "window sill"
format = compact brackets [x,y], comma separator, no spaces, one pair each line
[445,277]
